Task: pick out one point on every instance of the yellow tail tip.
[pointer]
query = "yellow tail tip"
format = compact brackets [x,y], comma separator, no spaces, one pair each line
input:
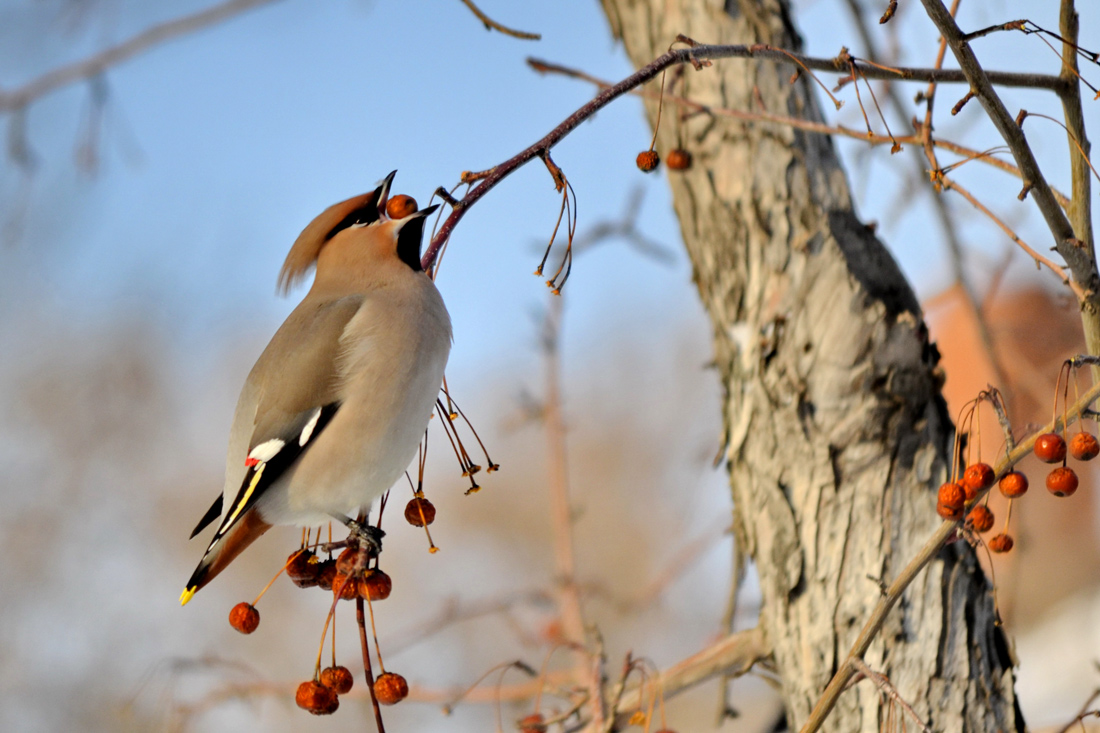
[188,594]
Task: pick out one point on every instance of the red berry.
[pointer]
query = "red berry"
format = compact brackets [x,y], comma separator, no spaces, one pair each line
[1001,543]
[1084,446]
[678,159]
[316,698]
[400,206]
[1013,484]
[1050,448]
[375,585]
[980,518]
[337,678]
[419,512]
[390,688]
[533,723]
[244,618]
[303,568]
[977,477]
[326,573]
[949,512]
[1062,481]
[648,160]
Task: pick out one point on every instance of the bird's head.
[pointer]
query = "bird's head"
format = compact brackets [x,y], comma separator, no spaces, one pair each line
[370,229]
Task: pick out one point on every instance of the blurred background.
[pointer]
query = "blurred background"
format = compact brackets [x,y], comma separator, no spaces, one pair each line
[145,213]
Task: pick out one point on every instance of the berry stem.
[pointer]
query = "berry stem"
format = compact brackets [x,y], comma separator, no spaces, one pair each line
[361,622]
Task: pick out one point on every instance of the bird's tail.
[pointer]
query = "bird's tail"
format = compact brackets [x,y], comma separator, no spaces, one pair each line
[223,550]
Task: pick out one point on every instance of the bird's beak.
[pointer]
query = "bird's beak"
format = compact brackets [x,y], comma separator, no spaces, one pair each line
[382,194]
[410,233]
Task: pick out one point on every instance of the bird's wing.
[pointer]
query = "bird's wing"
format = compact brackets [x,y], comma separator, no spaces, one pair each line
[291,394]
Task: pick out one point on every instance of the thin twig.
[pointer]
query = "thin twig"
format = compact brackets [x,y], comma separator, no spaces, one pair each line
[887,688]
[105,59]
[491,24]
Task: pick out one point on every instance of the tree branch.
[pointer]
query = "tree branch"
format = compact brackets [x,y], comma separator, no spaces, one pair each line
[1079,260]
[488,179]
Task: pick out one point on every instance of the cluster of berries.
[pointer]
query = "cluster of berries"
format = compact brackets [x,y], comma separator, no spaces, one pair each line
[956,496]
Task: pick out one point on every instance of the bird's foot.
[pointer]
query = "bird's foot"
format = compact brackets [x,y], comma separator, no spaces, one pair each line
[368,537]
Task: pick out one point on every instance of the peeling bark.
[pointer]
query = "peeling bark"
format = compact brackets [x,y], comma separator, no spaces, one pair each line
[837,433]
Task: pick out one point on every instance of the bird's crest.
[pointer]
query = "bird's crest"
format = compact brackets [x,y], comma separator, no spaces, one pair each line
[361,209]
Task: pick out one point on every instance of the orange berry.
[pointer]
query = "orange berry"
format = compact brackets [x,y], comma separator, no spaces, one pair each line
[980,518]
[1062,481]
[346,585]
[1084,446]
[400,206]
[316,698]
[1001,543]
[414,509]
[949,512]
[533,723]
[678,159]
[345,561]
[977,477]
[302,568]
[1013,484]
[390,688]
[375,585]
[648,160]
[1050,448]
[244,618]
[337,678]
[950,500]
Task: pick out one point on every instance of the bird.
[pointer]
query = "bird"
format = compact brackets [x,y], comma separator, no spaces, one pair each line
[334,409]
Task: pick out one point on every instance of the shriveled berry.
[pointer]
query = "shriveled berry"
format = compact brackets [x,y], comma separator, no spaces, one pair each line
[1001,543]
[648,160]
[302,568]
[533,723]
[346,585]
[337,678]
[244,618]
[390,688]
[1013,484]
[400,206]
[375,585]
[419,512]
[950,500]
[949,512]
[980,518]
[678,159]
[326,573]
[977,477]
[1050,448]
[316,698]
[1062,481]
[1084,446]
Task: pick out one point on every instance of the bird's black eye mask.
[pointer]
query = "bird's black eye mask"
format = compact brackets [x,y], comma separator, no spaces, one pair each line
[364,215]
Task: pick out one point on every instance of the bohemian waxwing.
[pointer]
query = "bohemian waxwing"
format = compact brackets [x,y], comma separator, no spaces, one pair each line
[333,411]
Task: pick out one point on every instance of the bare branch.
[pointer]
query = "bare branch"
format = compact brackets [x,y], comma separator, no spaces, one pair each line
[492,25]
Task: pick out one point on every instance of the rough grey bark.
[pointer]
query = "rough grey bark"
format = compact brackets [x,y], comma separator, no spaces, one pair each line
[838,435]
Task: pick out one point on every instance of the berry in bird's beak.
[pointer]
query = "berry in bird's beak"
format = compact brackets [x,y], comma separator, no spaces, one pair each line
[400,206]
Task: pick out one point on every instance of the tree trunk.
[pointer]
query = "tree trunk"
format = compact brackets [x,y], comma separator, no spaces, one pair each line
[837,433]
